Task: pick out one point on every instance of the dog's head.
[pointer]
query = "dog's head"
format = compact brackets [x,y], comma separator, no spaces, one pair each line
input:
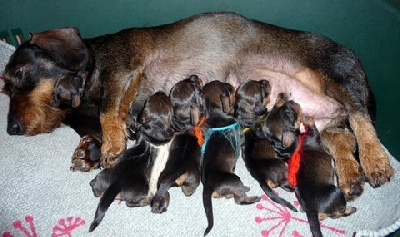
[154,122]
[282,126]
[185,98]
[251,100]
[44,76]
[219,100]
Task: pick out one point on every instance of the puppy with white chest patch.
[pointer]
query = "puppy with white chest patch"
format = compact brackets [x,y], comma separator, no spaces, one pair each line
[258,153]
[316,190]
[221,149]
[182,168]
[136,172]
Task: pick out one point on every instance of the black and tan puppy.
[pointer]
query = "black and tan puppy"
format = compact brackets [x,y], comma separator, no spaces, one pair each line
[182,168]
[221,149]
[259,155]
[316,191]
[136,172]
[251,101]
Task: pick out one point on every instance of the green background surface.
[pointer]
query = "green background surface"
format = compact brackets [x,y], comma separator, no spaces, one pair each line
[371,28]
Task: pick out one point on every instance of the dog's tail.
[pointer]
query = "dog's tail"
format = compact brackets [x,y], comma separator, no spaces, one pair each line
[274,197]
[105,202]
[207,202]
[315,227]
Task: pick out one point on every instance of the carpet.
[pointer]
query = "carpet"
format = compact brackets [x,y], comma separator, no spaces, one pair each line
[40,196]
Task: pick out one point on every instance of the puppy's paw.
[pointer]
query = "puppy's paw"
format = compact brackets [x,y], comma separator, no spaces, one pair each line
[160,204]
[376,166]
[86,156]
[188,190]
[245,200]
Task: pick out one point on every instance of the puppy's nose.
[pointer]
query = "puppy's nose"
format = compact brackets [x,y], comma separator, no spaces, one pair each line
[15,127]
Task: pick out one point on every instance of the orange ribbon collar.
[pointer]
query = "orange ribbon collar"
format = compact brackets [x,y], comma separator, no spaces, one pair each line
[198,133]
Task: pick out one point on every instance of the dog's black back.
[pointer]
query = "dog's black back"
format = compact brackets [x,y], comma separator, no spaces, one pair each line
[183,165]
[316,189]
[130,176]
[259,153]
[221,149]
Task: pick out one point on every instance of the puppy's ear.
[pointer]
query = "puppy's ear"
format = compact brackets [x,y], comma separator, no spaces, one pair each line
[227,97]
[194,115]
[195,79]
[65,46]
[281,99]
[265,87]
[68,90]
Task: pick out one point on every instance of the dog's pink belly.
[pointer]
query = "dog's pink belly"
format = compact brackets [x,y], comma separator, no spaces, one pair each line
[313,102]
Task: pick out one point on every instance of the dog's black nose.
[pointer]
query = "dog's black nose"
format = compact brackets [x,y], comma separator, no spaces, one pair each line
[14,127]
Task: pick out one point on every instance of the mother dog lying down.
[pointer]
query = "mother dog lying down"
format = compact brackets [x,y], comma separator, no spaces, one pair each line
[58,77]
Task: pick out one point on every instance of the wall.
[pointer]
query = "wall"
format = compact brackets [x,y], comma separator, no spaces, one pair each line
[371,28]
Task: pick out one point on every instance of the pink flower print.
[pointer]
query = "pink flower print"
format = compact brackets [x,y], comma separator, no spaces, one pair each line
[280,221]
[19,226]
[66,226]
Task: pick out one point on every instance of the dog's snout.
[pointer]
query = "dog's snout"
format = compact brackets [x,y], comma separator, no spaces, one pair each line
[15,127]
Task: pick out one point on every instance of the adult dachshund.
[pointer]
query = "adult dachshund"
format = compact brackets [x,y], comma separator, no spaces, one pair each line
[57,77]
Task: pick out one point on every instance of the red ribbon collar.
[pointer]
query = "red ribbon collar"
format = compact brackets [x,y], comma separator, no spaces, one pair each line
[294,161]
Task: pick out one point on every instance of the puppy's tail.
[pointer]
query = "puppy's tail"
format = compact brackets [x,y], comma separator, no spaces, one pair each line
[207,202]
[105,202]
[272,195]
[315,227]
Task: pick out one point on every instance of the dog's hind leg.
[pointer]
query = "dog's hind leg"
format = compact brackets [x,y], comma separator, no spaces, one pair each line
[373,158]
[341,144]
[105,202]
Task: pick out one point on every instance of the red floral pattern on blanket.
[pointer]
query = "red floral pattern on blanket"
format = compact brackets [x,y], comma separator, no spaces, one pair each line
[277,220]
[64,227]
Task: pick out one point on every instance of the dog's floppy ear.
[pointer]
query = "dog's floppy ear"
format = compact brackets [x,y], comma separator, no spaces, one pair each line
[68,90]
[227,97]
[194,115]
[65,45]
[195,79]
[281,99]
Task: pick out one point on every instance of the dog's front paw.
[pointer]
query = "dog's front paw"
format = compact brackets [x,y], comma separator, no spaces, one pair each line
[376,166]
[159,204]
[86,156]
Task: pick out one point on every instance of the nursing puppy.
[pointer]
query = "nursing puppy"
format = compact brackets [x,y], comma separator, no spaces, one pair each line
[182,168]
[316,191]
[251,101]
[136,172]
[221,149]
[258,153]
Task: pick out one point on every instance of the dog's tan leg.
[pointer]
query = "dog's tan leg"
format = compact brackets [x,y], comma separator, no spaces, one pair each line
[341,144]
[113,121]
[373,158]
